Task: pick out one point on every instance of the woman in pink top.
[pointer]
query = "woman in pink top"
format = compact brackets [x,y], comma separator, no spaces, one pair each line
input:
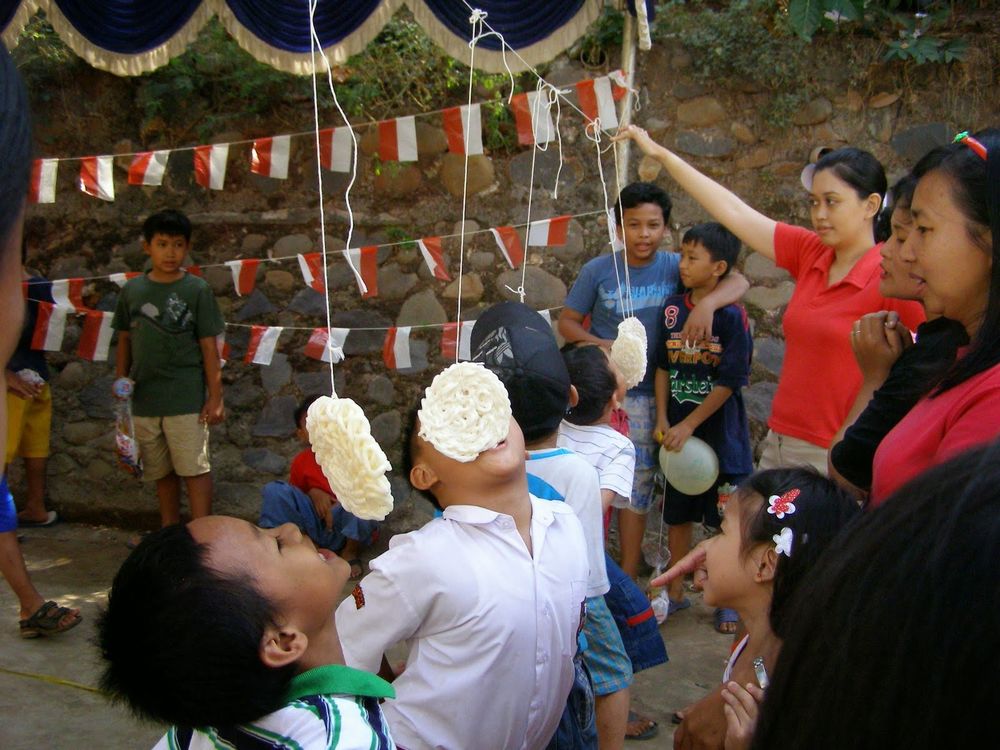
[836,270]
[955,250]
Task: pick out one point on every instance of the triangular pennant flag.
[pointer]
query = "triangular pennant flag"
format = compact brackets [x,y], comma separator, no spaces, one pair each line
[194,270]
[96,177]
[335,149]
[397,139]
[147,168]
[210,165]
[263,341]
[509,244]
[50,325]
[223,348]
[244,274]
[548,232]
[533,120]
[269,156]
[311,265]
[463,127]
[327,345]
[464,343]
[396,351]
[68,294]
[546,316]
[95,340]
[364,263]
[121,278]
[619,84]
[43,181]
[430,248]
[597,101]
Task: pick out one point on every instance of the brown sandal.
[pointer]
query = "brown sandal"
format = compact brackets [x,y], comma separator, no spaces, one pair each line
[50,619]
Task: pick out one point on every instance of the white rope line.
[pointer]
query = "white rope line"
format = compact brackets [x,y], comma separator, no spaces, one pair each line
[593,133]
[628,281]
[365,328]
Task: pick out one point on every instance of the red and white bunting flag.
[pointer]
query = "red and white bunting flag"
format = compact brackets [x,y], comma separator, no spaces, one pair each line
[396,351]
[244,274]
[430,248]
[548,232]
[269,156]
[534,122]
[311,265]
[327,345]
[462,139]
[194,270]
[95,339]
[43,181]
[49,327]
[597,101]
[210,165]
[364,263]
[335,149]
[121,278]
[68,294]
[619,83]
[96,177]
[263,341]
[546,316]
[509,244]
[397,139]
[223,348]
[464,343]
[147,168]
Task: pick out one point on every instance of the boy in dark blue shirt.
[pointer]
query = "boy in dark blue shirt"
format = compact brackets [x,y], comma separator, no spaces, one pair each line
[698,392]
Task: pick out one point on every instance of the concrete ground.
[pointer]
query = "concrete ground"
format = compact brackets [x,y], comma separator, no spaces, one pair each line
[47,686]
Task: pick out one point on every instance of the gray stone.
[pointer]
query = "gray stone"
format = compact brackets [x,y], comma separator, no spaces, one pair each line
[573,248]
[742,133]
[99,469]
[72,377]
[914,142]
[396,180]
[423,272]
[308,302]
[421,309]
[82,433]
[280,281]
[318,383]
[814,112]
[361,341]
[340,276]
[69,267]
[546,167]
[452,174]
[470,227]
[386,428]
[220,279]
[542,289]
[701,112]
[685,89]
[770,354]
[394,283]
[293,244]
[95,398]
[770,298]
[484,261]
[757,399]
[256,305]
[430,140]
[243,393]
[60,463]
[276,418]
[265,461]
[472,288]
[758,268]
[381,390]
[253,245]
[711,144]
[419,350]
[276,375]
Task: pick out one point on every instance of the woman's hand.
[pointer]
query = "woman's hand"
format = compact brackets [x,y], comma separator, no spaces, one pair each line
[741,710]
[878,339]
[641,139]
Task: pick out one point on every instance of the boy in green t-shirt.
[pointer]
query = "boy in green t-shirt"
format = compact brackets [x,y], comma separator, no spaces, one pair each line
[167,322]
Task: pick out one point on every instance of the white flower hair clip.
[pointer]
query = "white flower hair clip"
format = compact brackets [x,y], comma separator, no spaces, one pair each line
[783,542]
[780,505]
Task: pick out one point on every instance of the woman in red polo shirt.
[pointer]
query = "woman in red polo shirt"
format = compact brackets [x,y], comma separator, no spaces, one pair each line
[836,271]
[955,250]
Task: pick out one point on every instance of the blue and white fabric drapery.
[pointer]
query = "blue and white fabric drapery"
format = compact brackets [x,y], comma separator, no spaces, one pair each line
[129,37]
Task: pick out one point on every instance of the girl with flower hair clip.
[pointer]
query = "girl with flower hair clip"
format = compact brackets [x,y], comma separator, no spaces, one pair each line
[774,528]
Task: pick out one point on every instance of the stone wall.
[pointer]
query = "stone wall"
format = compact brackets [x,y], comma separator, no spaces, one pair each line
[716,125]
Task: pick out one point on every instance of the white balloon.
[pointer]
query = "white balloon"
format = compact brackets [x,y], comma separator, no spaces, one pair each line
[691,470]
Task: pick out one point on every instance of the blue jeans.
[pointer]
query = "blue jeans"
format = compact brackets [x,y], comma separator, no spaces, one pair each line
[577,728]
[284,503]
[634,617]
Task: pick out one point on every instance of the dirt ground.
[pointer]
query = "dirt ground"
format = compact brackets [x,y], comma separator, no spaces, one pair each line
[48,696]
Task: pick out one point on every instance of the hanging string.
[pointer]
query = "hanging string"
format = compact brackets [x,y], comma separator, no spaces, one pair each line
[628,282]
[593,133]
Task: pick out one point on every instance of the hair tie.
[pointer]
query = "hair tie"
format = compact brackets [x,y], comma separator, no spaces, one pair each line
[780,505]
[967,140]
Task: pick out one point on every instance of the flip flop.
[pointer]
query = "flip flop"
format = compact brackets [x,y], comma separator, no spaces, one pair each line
[648,733]
[725,615]
[677,606]
[51,517]
[48,620]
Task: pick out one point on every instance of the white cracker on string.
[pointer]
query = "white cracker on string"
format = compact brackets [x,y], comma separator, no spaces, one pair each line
[465,411]
[629,351]
[352,461]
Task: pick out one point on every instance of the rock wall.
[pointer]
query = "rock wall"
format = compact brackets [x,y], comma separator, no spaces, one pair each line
[717,125]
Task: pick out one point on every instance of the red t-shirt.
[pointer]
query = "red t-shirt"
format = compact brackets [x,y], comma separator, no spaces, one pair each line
[820,377]
[935,430]
[306,474]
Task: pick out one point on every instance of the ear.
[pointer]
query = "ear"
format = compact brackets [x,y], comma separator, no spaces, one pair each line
[145,246]
[282,646]
[574,396]
[872,205]
[767,565]
[423,477]
[720,268]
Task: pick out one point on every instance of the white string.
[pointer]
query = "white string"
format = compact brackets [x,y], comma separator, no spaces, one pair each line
[593,133]
[628,281]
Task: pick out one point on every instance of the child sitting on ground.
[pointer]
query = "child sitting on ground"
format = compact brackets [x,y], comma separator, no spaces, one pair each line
[488,597]
[226,631]
[307,500]
[698,392]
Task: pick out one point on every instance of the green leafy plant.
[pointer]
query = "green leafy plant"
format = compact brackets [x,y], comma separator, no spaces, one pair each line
[917,43]
[595,48]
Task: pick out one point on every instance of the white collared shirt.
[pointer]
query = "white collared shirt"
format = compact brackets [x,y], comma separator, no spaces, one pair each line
[491,629]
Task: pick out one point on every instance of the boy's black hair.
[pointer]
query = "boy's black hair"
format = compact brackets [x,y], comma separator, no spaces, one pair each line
[879,617]
[181,642]
[168,222]
[822,509]
[719,242]
[409,450]
[15,144]
[637,193]
[595,383]
[303,408]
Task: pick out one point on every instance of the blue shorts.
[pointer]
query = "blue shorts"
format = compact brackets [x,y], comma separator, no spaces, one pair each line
[8,512]
[641,409]
[635,620]
[284,503]
[605,656]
